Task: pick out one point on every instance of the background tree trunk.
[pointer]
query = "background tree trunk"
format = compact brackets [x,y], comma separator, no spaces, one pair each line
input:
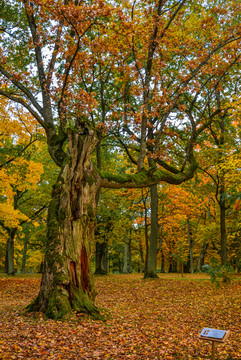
[125,270]
[202,256]
[129,255]
[141,255]
[24,255]
[101,258]
[9,258]
[190,243]
[223,235]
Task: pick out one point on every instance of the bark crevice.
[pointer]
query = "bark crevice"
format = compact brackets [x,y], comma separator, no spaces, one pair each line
[67,282]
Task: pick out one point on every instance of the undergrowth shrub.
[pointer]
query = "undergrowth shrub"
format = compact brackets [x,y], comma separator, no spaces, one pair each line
[218,273]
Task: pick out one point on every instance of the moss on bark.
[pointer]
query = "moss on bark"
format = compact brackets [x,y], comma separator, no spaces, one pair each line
[67,282]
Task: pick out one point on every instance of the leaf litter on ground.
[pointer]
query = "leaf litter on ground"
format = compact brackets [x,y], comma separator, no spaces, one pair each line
[148,319]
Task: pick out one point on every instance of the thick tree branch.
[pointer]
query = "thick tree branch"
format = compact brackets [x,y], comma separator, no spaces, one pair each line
[48,116]
[146,178]
[54,55]
[146,93]
[36,42]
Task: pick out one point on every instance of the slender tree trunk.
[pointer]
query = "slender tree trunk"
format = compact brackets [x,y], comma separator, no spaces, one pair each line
[190,242]
[223,234]
[125,270]
[162,263]
[101,258]
[67,278]
[6,257]
[23,269]
[160,238]
[9,259]
[105,259]
[119,264]
[152,256]
[202,256]
[146,241]
[142,265]
[129,256]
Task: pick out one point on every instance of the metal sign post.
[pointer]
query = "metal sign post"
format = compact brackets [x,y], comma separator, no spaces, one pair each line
[214,335]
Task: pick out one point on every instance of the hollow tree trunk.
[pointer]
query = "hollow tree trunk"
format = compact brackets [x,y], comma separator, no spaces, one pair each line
[67,279]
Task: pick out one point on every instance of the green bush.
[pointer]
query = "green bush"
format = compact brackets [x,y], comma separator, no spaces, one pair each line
[218,273]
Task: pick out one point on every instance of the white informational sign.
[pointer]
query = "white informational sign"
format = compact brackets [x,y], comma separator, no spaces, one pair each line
[215,336]
[213,333]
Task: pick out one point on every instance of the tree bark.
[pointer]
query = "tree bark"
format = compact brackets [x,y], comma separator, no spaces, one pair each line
[67,278]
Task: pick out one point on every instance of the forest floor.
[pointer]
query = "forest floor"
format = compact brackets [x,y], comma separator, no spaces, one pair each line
[149,319]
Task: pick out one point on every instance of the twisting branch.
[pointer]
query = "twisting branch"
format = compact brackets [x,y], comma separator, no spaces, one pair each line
[19,154]
[182,3]
[48,116]
[21,101]
[35,214]
[127,151]
[23,88]
[203,63]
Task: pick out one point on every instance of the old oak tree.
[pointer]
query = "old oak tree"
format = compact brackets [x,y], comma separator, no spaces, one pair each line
[84,69]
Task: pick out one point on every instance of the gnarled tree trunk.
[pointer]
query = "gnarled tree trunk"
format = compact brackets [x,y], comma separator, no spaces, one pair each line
[67,279]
